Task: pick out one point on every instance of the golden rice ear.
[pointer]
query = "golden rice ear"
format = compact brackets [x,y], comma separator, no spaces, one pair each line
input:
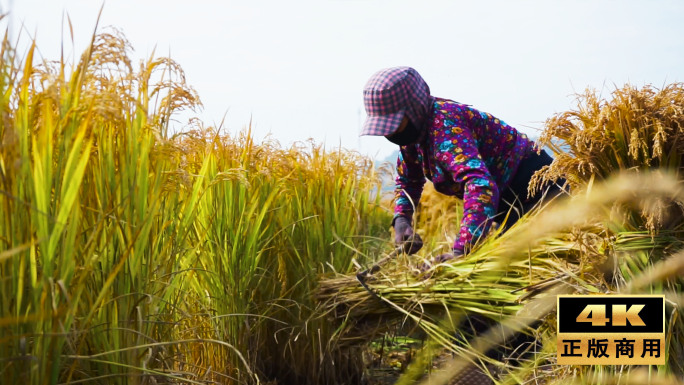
[634,130]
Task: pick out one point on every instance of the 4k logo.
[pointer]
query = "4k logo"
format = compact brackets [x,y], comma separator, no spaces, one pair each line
[611,330]
[596,314]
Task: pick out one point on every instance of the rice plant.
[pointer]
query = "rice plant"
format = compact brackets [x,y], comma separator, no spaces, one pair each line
[134,254]
[637,129]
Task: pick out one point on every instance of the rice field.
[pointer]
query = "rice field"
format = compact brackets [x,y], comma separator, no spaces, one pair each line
[134,254]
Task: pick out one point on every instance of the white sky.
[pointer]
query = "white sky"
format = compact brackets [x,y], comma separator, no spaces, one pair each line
[297,68]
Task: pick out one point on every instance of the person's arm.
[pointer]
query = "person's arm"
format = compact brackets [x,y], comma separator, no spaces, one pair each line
[458,154]
[409,182]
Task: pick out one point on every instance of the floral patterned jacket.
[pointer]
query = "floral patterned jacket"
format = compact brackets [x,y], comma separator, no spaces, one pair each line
[465,153]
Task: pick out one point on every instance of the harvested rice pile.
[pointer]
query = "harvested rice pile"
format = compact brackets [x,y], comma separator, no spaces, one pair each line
[619,231]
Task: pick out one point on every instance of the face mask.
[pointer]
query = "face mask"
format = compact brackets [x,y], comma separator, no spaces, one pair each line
[409,135]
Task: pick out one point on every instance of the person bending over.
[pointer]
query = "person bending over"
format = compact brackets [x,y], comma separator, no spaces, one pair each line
[464,152]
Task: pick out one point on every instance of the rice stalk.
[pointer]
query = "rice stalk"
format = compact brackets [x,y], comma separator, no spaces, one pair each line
[616,190]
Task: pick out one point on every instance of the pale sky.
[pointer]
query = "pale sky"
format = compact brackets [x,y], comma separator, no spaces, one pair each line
[297,68]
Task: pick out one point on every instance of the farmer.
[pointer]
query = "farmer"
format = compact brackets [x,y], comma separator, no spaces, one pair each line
[464,152]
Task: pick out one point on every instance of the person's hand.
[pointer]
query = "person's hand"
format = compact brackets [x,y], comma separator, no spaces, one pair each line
[404,235]
[425,266]
[446,257]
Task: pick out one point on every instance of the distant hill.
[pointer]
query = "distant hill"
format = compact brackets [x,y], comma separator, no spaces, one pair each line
[391,158]
[387,166]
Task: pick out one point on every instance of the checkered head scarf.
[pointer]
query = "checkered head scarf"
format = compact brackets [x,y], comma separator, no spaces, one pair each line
[392,93]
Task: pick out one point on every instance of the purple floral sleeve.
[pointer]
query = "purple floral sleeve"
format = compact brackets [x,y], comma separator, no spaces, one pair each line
[409,182]
[458,155]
